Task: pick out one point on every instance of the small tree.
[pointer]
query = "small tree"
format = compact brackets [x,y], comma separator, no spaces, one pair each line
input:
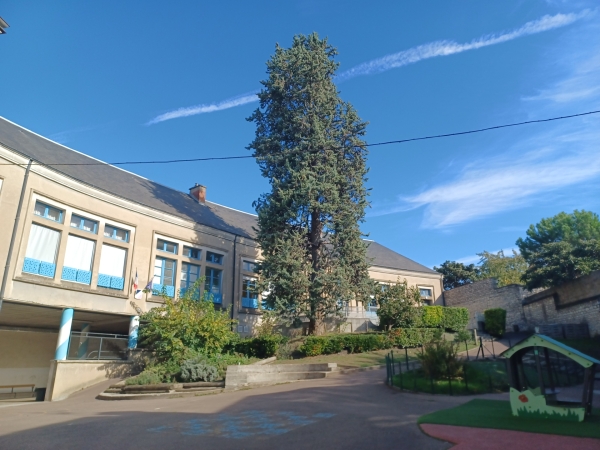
[458,274]
[506,269]
[185,324]
[399,306]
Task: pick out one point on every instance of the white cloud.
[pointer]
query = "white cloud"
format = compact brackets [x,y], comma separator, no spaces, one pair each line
[201,109]
[446,48]
[410,56]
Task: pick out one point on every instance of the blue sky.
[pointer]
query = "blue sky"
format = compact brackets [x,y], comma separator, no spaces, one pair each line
[155,80]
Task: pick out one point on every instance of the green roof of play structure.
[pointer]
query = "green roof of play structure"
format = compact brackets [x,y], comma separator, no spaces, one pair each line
[539,340]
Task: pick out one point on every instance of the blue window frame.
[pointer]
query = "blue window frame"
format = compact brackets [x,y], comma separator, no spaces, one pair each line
[214,258]
[84,224]
[212,284]
[48,212]
[426,292]
[164,276]
[189,274]
[116,233]
[192,253]
[166,246]
[249,293]
[249,266]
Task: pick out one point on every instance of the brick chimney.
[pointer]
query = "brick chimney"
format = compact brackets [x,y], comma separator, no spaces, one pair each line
[198,193]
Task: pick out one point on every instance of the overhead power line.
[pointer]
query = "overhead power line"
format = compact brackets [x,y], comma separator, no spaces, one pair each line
[399,141]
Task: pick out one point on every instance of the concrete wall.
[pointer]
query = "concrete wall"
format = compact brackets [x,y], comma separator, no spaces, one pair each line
[576,302]
[25,357]
[263,375]
[67,377]
[484,294]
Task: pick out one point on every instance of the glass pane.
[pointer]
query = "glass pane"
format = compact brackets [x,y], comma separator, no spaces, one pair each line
[214,258]
[121,235]
[53,214]
[42,244]
[89,225]
[79,253]
[40,209]
[108,231]
[112,261]
[75,221]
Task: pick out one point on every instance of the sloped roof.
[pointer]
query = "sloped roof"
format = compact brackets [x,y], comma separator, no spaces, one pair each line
[385,257]
[122,183]
[540,340]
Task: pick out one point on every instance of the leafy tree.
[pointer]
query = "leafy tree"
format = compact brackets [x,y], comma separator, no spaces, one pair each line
[399,306]
[561,248]
[457,274]
[186,324]
[308,145]
[506,269]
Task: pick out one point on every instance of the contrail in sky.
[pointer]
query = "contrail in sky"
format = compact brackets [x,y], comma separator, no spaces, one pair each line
[395,60]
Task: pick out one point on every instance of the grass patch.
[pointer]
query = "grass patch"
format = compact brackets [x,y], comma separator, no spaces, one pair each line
[481,377]
[497,414]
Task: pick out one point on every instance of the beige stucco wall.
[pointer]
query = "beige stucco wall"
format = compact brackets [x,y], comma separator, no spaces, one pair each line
[424,279]
[68,377]
[25,357]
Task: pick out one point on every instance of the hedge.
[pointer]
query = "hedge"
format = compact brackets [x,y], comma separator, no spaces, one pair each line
[358,343]
[259,347]
[449,318]
[495,321]
[433,316]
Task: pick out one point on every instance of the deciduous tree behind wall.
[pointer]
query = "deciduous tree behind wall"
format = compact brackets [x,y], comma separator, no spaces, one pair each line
[309,146]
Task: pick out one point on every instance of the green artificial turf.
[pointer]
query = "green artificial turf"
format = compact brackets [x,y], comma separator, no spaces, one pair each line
[496,414]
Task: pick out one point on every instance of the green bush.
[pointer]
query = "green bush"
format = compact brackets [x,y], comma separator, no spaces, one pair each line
[433,316]
[260,347]
[455,319]
[462,336]
[495,321]
[410,337]
[440,360]
[192,370]
[148,376]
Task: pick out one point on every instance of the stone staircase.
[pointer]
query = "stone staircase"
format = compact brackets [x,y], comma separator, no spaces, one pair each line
[256,375]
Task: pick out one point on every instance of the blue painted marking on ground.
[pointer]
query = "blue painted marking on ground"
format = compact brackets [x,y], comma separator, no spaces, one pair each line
[243,425]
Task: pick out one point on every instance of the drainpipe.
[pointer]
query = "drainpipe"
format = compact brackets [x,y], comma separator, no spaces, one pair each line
[14,233]
[233,284]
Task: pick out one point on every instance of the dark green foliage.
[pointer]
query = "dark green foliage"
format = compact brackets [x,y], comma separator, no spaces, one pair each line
[561,248]
[440,360]
[192,370]
[399,306]
[432,316]
[260,347]
[455,318]
[148,376]
[462,336]
[458,274]
[495,321]
[308,144]
[220,360]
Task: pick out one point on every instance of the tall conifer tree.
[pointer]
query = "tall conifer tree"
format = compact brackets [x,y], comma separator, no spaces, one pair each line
[308,145]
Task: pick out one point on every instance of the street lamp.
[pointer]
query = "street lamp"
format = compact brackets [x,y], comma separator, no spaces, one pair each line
[3,25]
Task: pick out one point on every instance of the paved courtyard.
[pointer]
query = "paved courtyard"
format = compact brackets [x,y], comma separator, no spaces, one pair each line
[350,411]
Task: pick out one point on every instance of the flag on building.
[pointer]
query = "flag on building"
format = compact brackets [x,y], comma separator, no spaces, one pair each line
[138,292]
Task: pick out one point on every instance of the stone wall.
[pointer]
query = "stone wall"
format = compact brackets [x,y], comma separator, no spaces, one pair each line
[484,294]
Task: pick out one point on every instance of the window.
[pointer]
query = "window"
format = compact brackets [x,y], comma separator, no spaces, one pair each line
[84,224]
[164,276]
[212,284]
[426,292]
[249,293]
[383,287]
[189,274]
[166,246]
[116,233]
[78,260]
[192,253]
[48,212]
[112,267]
[40,256]
[214,258]
[249,266]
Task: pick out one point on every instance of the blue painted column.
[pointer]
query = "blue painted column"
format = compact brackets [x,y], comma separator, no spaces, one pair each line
[64,333]
[83,341]
[134,325]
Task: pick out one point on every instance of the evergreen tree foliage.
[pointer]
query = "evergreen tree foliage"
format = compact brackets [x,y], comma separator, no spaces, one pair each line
[561,248]
[308,145]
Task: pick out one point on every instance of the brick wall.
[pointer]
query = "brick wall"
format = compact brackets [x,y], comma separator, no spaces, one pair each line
[484,294]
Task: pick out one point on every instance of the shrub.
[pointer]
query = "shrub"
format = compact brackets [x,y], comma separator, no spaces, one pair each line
[198,371]
[148,376]
[260,347]
[410,337]
[439,360]
[462,336]
[495,321]
[399,306]
[455,319]
[219,361]
[433,316]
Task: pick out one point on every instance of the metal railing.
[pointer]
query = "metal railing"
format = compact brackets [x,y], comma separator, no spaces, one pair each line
[96,346]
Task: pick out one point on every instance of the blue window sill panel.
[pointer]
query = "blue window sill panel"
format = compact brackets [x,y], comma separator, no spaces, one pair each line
[111,282]
[39,267]
[250,303]
[158,288]
[195,295]
[217,298]
[76,275]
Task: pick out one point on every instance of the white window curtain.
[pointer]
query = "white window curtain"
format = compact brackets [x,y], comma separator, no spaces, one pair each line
[79,253]
[112,261]
[42,244]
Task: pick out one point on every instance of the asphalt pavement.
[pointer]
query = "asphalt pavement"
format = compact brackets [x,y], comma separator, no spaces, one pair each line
[354,411]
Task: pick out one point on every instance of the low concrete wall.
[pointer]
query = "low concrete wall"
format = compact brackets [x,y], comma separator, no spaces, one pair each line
[255,375]
[67,377]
